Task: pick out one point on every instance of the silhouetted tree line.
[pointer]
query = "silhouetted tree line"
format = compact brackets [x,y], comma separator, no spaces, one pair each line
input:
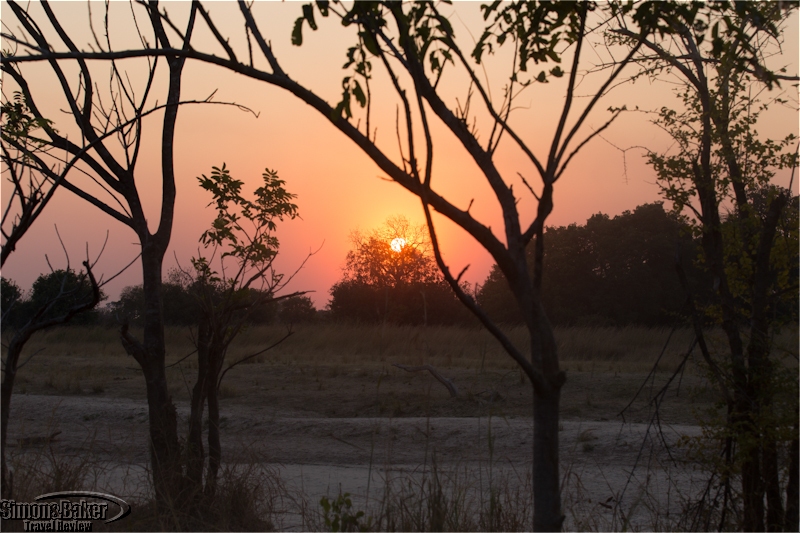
[419,303]
[181,306]
[620,271]
[610,271]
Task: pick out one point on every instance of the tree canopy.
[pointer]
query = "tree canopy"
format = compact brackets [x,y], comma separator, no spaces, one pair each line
[55,293]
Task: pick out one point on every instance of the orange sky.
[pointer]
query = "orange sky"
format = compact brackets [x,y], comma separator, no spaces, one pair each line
[338,187]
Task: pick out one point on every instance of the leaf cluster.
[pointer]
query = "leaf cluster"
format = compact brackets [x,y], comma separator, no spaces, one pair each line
[245,227]
[338,514]
[19,123]
[538,29]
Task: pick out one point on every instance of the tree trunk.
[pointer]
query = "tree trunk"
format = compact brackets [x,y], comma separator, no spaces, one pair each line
[195,452]
[772,486]
[164,446]
[792,521]
[214,445]
[165,450]
[752,491]
[9,375]
[547,514]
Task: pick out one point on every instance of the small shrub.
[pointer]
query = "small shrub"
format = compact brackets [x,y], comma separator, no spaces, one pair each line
[339,517]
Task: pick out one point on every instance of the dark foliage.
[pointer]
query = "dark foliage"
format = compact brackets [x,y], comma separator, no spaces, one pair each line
[59,290]
[609,272]
[10,294]
[416,303]
[297,310]
[180,305]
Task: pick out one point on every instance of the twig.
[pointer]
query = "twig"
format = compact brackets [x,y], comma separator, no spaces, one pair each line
[435,373]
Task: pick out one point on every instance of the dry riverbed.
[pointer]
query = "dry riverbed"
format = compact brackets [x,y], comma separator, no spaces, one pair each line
[322,438]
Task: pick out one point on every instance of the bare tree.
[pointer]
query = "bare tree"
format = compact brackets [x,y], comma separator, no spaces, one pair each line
[80,296]
[31,191]
[91,162]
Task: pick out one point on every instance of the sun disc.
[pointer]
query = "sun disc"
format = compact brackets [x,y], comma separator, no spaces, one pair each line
[398,243]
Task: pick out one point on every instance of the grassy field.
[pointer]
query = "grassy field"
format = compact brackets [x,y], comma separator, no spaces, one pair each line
[353,365]
[629,349]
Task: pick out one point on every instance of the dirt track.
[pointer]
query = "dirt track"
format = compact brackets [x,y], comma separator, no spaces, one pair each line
[322,455]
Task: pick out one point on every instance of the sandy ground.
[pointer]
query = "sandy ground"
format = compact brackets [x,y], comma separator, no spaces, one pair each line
[321,455]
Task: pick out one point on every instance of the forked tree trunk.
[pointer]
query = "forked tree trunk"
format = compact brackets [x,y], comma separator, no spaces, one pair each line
[214,444]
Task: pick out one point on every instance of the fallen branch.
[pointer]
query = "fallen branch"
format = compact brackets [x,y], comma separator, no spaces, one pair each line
[36,441]
[435,373]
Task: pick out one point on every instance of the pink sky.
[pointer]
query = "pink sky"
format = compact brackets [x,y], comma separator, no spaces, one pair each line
[339,189]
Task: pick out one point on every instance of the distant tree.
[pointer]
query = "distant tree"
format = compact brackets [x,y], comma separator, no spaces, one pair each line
[179,305]
[396,254]
[11,295]
[297,310]
[391,275]
[74,288]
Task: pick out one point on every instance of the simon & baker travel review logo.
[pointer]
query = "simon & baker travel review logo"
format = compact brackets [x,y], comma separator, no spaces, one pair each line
[65,511]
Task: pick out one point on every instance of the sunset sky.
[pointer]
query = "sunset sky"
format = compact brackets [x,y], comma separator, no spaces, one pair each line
[339,189]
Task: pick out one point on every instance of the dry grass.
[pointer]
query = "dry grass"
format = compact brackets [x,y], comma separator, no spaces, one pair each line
[630,347]
[346,370]
[250,497]
[452,499]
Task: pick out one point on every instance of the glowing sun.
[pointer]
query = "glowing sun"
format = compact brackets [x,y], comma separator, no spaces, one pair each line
[397,244]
